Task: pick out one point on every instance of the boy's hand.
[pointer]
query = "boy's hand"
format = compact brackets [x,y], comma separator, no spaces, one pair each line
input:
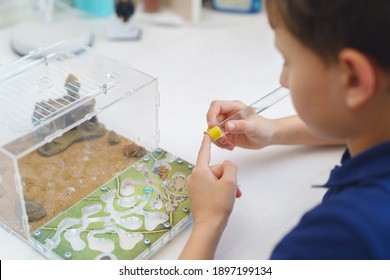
[212,195]
[212,189]
[254,133]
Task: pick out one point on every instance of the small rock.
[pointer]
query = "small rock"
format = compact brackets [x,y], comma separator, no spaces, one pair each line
[70,190]
[34,210]
[88,126]
[113,138]
[134,151]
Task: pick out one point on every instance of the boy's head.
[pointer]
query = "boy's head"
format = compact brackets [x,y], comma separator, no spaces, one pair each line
[337,65]
[326,27]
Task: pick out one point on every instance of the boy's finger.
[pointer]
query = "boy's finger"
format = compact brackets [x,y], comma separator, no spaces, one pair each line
[230,170]
[220,109]
[238,192]
[204,152]
[217,170]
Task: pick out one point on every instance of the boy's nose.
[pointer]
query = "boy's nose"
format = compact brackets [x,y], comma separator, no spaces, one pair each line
[284,78]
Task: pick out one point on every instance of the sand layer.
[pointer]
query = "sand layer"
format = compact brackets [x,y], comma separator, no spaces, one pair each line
[59,181]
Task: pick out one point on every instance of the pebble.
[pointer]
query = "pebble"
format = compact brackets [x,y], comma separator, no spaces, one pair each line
[113,138]
[34,210]
[70,190]
[134,151]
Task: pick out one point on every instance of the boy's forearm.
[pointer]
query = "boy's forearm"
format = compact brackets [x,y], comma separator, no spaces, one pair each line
[293,131]
[202,243]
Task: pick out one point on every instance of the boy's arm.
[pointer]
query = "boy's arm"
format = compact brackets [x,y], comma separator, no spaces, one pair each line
[259,132]
[293,131]
[202,243]
[212,191]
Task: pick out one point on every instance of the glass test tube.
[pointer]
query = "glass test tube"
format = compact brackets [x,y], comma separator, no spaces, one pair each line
[248,112]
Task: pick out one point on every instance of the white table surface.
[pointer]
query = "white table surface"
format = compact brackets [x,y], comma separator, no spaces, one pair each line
[224,56]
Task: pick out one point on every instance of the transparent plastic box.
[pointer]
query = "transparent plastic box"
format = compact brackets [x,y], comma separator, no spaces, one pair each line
[81,173]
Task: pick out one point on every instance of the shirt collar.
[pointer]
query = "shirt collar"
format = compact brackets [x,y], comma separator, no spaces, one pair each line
[371,163]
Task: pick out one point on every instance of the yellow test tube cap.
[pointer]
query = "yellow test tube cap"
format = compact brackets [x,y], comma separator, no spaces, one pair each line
[215,133]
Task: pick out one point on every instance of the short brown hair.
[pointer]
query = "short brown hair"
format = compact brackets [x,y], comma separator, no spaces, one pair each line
[326,27]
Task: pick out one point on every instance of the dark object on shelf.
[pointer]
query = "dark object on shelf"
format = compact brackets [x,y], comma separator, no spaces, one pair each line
[124,9]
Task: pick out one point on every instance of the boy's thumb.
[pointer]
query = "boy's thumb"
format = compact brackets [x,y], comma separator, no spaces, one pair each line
[237,127]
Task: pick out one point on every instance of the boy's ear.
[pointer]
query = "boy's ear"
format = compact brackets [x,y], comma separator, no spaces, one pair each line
[359,77]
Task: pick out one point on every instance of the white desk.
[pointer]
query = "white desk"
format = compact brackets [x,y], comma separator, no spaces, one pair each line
[225,56]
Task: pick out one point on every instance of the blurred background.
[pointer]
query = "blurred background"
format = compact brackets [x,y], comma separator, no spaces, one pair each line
[40,23]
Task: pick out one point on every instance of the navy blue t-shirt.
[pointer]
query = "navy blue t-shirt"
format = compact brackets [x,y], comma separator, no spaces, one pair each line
[353,220]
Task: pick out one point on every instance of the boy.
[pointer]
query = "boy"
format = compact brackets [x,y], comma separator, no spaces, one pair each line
[337,64]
